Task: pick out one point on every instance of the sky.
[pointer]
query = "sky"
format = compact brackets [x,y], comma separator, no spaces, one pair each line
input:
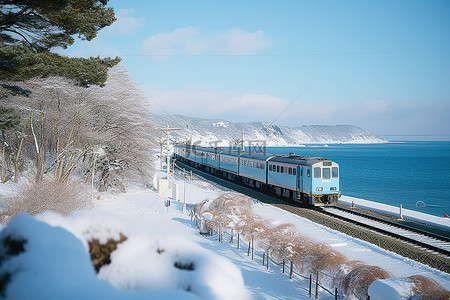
[380,65]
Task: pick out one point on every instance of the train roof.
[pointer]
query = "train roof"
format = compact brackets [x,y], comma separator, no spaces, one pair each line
[288,159]
[256,156]
[298,159]
[210,150]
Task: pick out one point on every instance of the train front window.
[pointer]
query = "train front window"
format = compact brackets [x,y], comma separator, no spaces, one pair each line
[335,172]
[317,173]
[326,173]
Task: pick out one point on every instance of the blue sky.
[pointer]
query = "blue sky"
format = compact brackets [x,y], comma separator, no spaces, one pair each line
[380,65]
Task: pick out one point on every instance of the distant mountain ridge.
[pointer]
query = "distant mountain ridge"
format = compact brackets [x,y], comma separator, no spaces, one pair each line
[206,131]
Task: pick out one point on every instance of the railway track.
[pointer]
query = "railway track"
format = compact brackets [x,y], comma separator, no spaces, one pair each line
[417,247]
[426,240]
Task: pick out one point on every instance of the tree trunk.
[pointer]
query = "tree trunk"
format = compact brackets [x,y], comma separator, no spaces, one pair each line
[3,157]
[16,160]
[38,150]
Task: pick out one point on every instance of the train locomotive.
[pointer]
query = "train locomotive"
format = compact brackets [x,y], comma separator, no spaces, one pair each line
[309,180]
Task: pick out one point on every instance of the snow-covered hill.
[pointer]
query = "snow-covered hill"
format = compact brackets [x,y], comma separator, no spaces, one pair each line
[208,131]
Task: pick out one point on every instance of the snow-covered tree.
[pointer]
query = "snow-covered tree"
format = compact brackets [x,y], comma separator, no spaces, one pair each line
[102,131]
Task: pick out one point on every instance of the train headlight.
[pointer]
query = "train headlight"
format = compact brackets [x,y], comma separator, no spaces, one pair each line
[332,188]
[319,189]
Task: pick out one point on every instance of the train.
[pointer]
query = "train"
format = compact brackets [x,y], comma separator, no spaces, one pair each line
[313,181]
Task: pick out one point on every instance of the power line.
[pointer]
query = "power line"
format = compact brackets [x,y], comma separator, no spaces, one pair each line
[296,53]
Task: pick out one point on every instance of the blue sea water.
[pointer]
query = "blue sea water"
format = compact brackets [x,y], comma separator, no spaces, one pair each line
[394,173]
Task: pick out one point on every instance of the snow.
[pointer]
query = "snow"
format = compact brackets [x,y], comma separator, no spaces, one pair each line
[56,263]
[408,215]
[393,289]
[224,133]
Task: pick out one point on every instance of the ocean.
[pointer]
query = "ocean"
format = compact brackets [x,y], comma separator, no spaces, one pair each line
[414,174]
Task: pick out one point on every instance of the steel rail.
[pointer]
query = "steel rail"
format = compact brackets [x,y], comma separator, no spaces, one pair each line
[390,233]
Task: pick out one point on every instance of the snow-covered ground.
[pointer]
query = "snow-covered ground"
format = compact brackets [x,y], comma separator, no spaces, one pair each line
[56,263]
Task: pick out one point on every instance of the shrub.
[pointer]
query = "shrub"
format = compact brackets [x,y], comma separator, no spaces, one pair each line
[356,283]
[46,194]
[428,289]
[280,238]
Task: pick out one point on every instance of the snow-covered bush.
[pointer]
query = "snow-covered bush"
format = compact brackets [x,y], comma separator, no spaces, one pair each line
[356,283]
[47,257]
[47,194]
[428,288]
[413,287]
[280,241]
[342,271]
[227,210]
[322,257]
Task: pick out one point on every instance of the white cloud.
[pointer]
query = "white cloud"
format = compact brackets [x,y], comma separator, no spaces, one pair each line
[240,42]
[208,104]
[192,41]
[126,23]
[179,41]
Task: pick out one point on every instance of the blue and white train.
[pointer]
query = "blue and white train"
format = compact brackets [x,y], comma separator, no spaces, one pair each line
[310,180]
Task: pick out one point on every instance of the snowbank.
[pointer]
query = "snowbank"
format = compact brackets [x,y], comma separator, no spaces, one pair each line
[393,289]
[413,287]
[49,256]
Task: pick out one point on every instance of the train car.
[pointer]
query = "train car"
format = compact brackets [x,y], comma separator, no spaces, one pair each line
[211,159]
[310,180]
[253,169]
[229,164]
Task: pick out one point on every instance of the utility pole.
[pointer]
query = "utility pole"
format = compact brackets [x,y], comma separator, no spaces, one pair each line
[166,140]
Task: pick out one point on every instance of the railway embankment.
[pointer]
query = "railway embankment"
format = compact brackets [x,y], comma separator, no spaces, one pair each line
[424,256]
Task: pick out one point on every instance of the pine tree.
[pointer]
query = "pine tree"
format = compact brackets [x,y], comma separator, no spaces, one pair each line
[30,29]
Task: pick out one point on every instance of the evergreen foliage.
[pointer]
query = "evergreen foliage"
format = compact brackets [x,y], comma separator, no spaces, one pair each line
[8,118]
[30,29]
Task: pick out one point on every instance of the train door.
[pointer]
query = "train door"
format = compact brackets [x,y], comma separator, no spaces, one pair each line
[300,183]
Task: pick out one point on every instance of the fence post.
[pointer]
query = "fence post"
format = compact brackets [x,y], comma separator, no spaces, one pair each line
[232,235]
[310,285]
[292,269]
[283,265]
[264,257]
[267,260]
[317,285]
[248,252]
[253,249]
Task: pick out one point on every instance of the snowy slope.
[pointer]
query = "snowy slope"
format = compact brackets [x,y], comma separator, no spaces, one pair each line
[207,131]
[138,272]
